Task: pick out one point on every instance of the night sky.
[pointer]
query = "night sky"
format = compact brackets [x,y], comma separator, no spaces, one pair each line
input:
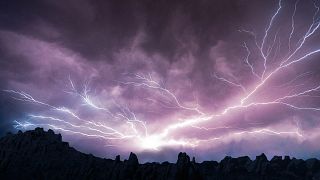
[156,77]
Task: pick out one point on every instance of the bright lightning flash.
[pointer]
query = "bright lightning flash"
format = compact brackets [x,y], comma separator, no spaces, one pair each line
[121,123]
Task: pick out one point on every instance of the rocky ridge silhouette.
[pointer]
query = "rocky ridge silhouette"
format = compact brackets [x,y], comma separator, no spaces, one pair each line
[39,154]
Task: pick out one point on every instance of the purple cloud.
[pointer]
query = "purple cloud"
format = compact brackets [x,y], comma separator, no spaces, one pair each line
[212,84]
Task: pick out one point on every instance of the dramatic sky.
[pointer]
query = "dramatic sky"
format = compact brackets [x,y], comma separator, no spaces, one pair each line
[155,77]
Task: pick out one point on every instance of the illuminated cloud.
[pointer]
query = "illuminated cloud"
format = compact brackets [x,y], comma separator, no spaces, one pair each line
[217,84]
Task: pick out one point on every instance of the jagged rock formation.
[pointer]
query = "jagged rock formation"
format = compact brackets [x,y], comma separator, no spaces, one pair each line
[39,154]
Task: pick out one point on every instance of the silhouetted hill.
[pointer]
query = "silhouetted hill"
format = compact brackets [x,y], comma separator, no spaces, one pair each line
[38,154]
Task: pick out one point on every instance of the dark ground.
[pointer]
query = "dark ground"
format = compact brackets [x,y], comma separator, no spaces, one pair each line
[38,154]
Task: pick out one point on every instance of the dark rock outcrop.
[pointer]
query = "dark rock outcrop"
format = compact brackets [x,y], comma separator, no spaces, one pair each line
[38,154]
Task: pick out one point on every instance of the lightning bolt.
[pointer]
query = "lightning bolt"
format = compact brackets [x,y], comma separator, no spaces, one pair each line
[230,82]
[121,123]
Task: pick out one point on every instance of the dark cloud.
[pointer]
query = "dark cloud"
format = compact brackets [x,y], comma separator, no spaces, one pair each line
[98,28]
[180,44]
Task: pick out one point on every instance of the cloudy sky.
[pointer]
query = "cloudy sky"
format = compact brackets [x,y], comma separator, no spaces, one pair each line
[211,78]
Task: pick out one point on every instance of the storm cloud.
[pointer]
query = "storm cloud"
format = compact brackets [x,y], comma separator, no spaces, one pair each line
[192,48]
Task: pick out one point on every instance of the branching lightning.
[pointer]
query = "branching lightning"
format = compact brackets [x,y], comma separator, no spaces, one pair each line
[121,123]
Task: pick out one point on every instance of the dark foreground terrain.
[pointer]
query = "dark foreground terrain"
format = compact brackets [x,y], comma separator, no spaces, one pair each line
[39,154]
